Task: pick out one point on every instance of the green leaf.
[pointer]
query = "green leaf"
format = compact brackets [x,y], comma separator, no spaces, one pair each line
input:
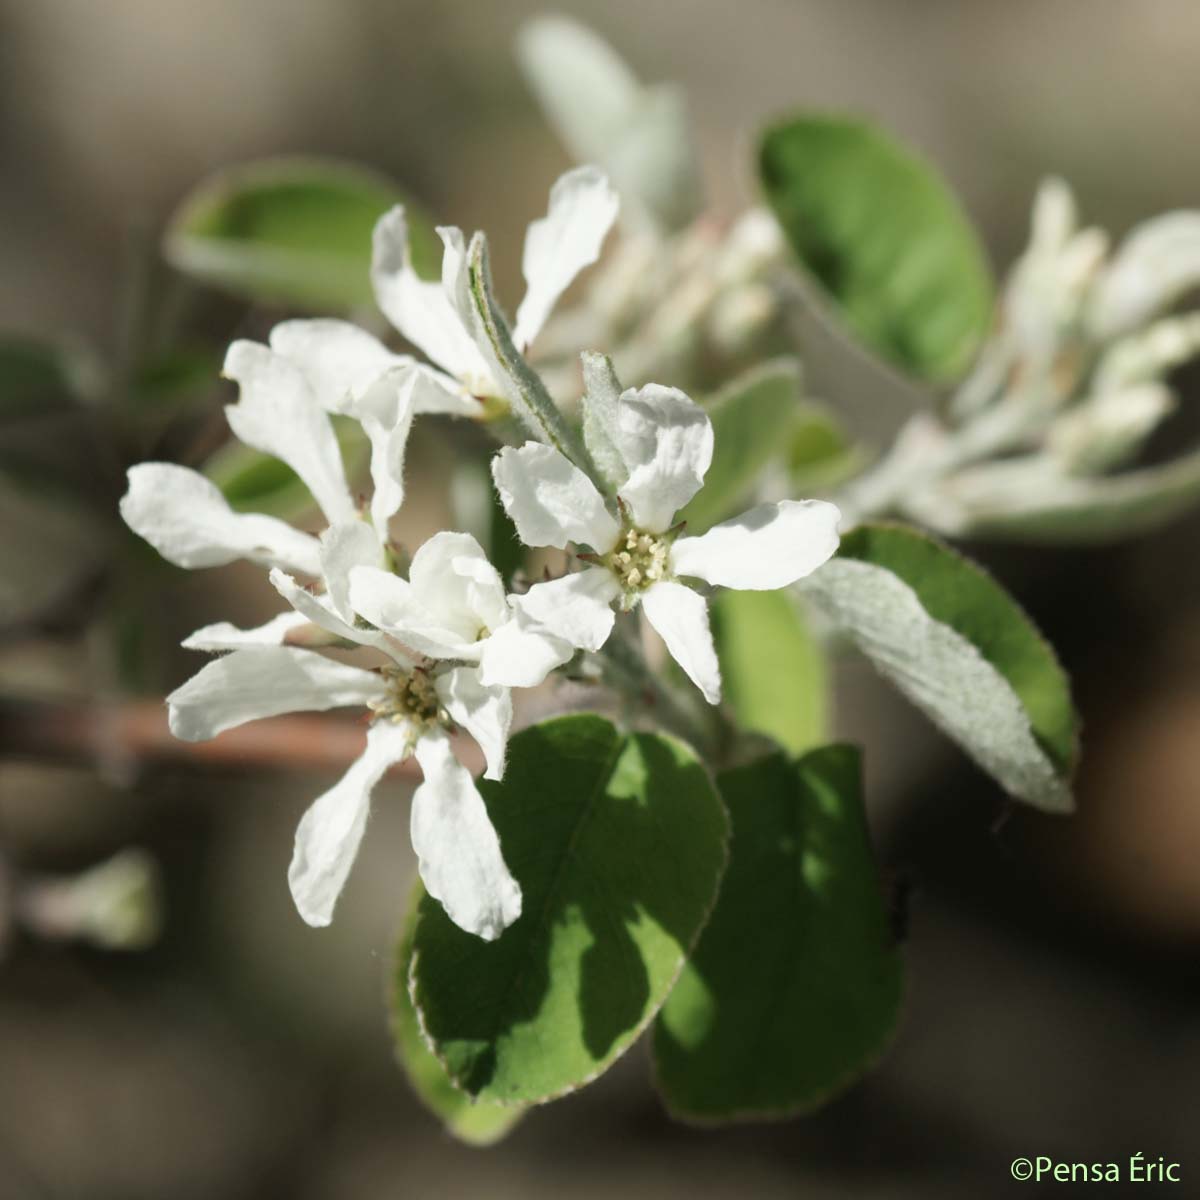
[794,989]
[523,387]
[476,1122]
[477,510]
[40,377]
[172,380]
[641,136]
[821,454]
[618,842]
[773,671]
[885,239]
[294,231]
[255,482]
[754,419]
[961,649]
[1060,509]
[49,545]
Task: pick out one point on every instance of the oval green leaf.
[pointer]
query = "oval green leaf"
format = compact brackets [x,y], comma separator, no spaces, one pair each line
[755,418]
[794,989]
[961,649]
[884,238]
[293,231]
[475,1122]
[773,670]
[255,482]
[619,843]
[40,377]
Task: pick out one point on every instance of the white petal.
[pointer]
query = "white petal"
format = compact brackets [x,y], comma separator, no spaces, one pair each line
[279,415]
[339,360]
[350,544]
[420,309]
[550,500]
[681,618]
[568,238]
[457,849]
[576,607]
[437,393]
[386,411]
[451,576]
[319,610]
[1156,264]
[765,548]
[265,681]
[187,520]
[329,833]
[521,654]
[666,440]
[484,712]
[224,636]
[390,603]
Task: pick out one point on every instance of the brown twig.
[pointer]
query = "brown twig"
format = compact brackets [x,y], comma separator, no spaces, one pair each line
[127,734]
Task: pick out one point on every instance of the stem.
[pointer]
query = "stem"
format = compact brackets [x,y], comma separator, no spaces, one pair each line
[531,401]
[625,669]
[136,732]
[924,452]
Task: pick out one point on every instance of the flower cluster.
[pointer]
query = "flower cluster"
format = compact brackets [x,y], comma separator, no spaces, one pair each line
[449,641]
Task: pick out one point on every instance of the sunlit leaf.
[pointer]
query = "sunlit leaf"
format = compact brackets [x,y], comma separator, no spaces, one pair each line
[754,420]
[255,482]
[618,842]
[476,1122]
[773,671]
[293,231]
[885,239]
[960,648]
[640,135]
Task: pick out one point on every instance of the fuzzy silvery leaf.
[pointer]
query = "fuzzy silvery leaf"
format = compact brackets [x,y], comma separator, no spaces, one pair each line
[601,391]
[640,135]
[952,641]
[1044,504]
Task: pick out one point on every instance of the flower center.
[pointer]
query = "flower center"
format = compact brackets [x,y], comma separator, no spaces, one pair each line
[411,697]
[638,560]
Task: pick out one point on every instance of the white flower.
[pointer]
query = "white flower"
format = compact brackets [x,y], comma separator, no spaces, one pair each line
[413,709]
[453,606]
[664,443]
[287,392]
[439,317]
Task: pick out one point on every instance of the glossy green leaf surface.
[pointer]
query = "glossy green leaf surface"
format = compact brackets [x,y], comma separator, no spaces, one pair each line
[473,1121]
[884,238]
[795,987]
[773,671]
[754,420]
[619,843]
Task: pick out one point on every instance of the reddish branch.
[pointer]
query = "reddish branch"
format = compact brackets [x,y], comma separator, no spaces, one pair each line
[122,735]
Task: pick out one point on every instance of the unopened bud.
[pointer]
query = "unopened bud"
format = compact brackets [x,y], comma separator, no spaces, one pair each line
[1108,429]
[116,905]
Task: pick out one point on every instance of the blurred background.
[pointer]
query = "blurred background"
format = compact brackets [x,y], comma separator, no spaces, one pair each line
[1054,980]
